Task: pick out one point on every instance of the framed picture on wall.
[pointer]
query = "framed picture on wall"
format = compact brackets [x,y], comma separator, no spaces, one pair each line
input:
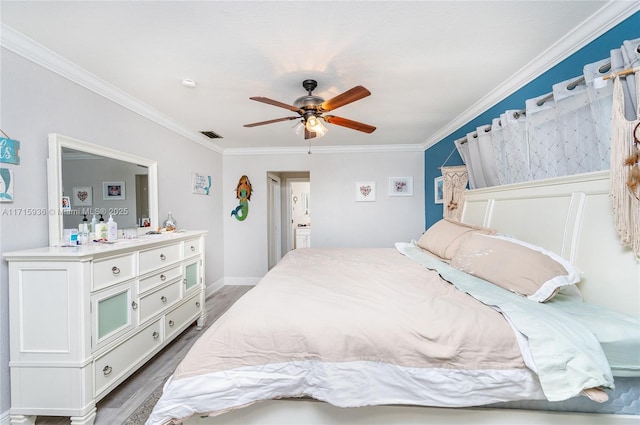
[65,203]
[82,196]
[401,186]
[365,191]
[113,191]
[438,186]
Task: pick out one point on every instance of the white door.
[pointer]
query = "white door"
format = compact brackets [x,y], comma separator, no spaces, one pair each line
[273,220]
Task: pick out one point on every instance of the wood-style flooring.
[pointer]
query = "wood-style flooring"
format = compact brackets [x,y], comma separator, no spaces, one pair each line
[115,408]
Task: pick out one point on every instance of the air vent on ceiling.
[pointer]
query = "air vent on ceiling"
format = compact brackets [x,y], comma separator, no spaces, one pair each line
[211,134]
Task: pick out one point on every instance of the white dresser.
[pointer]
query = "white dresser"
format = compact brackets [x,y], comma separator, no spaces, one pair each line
[83,319]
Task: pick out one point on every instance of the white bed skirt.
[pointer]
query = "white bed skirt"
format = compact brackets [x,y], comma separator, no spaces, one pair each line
[311,412]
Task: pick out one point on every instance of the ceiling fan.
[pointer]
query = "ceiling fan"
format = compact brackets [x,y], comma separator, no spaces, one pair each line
[311,109]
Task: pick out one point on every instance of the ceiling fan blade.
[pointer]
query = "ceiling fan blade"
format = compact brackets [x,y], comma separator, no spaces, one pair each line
[276,103]
[355,125]
[309,134]
[349,96]
[255,124]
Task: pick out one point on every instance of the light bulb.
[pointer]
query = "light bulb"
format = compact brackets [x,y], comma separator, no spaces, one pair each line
[312,122]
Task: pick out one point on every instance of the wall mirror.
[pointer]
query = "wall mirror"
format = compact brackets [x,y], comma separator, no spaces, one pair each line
[84,178]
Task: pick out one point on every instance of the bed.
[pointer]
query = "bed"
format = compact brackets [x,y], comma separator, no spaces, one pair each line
[450,320]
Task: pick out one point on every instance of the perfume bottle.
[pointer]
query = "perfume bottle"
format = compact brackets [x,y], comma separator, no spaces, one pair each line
[170,223]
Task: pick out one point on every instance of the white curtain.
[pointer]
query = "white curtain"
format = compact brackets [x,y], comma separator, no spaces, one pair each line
[543,133]
[564,132]
[516,146]
[600,100]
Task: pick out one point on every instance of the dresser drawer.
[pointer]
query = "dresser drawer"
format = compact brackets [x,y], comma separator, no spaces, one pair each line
[191,248]
[154,302]
[158,279]
[114,364]
[110,270]
[186,313]
[159,257]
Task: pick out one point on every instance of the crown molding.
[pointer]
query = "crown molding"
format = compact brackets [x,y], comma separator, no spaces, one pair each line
[597,24]
[323,149]
[29,49]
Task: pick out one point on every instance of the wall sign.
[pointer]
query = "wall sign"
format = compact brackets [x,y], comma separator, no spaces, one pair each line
[200,183]
[9,151]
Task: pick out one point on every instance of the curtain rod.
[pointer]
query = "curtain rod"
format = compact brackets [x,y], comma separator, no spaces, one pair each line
[622,73]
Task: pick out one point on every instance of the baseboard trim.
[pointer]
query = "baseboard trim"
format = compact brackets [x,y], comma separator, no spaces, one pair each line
[5,418]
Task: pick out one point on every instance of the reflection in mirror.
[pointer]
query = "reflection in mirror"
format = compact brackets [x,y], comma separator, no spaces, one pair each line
[98,180]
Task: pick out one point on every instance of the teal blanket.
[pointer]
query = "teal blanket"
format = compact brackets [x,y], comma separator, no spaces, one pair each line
[568,357]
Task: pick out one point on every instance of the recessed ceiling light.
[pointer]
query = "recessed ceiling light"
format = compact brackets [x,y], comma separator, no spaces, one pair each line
[188,83]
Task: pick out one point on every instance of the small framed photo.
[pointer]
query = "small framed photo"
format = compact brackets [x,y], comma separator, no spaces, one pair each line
[82,196]
[365,191]
[65,203]
[401,186]
[113,191]
[145,222]
[438,187]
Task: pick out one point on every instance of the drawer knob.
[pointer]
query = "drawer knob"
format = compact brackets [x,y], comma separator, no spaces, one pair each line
[193,248]
[163,257]
[163,277]
[171,323]
[184,280]
[106,371]
[198,304]
[155,335]
[163,299]
[134,305]
[115,270]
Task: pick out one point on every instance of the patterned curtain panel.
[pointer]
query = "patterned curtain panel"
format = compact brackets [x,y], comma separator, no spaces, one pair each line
[564,132]
[454,182]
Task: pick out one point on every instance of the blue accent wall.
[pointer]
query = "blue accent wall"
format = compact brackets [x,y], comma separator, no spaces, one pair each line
[571,67]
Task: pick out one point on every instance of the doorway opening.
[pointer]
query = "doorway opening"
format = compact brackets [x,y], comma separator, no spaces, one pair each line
[288,213]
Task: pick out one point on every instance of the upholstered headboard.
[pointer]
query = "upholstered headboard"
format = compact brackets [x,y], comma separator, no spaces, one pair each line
[571,216]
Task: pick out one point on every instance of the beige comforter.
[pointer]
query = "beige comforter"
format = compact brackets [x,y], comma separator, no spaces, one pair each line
[342,305]
[352,327]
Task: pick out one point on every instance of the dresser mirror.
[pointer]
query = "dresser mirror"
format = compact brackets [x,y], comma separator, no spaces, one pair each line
[84,178]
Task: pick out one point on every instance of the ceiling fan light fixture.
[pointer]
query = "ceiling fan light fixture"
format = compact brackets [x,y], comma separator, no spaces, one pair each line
[299,128]
[314,125]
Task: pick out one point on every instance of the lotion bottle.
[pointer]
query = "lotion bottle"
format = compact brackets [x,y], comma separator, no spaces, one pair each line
[83,231]
[112,229]
[102,232]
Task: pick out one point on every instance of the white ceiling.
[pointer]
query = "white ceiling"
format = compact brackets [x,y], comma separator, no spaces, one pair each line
[428,64]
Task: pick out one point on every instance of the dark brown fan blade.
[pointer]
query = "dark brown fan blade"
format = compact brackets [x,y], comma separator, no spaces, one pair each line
[309,134]
[355,125]
[349,96]
[255,124]
[276,103]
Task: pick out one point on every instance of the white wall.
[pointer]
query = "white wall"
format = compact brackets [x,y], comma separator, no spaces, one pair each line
[337,220]
[35,102]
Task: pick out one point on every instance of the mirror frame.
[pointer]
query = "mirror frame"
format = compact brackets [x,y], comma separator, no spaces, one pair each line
[54,179]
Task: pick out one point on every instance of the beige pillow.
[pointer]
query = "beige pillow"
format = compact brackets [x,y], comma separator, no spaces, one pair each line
[520,267]
[444,237]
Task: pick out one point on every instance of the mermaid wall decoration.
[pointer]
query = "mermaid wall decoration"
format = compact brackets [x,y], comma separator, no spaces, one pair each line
[243,193]
[6,185]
